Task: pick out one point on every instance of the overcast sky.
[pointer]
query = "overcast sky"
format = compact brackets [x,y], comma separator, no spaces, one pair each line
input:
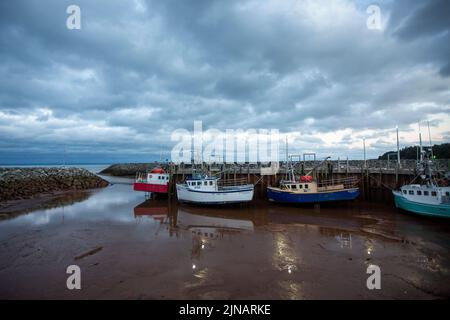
[137,70]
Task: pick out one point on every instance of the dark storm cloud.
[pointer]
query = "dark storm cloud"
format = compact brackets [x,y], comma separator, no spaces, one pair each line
[428,22]
[139,69]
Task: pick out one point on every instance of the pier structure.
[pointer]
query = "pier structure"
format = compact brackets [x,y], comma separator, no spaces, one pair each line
[376,177]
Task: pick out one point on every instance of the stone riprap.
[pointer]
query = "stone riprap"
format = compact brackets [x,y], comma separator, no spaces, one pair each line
[23,183]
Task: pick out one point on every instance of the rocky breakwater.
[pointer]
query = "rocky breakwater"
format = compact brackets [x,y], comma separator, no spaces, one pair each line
[23,183]
[128,169]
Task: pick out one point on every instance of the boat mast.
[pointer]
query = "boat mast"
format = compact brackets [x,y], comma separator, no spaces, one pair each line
[429,137]
[288,161]
[420,143]
[398,150]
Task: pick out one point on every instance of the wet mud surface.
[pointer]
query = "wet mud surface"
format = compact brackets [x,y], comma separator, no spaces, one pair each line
[128,248]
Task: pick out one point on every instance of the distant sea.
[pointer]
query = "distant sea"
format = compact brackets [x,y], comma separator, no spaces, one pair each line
[95,168]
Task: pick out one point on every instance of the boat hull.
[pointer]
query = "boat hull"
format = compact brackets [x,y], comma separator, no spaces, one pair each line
[149,187]
[241,195]
[434,210]
[291,197]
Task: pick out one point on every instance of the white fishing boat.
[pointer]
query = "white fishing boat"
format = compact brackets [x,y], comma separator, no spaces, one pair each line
[204,189]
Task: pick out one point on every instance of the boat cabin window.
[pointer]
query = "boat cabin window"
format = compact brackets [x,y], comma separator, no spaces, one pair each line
[425,193]
[306,186]
[205,183]
[411,191]
[447,194]
[210,183]
[404,191]
[419,193]
[294,186]
[433,193]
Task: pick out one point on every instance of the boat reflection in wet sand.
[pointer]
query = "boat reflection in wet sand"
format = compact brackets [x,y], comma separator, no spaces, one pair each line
[157,210]
[206,229]
[209,225]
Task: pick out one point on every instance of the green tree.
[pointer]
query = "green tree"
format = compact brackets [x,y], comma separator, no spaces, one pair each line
[440,151]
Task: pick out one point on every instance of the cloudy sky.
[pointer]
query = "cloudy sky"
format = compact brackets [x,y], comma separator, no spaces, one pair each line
[137,70]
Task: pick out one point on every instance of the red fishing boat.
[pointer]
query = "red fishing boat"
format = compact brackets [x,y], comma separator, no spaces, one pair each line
[155,181]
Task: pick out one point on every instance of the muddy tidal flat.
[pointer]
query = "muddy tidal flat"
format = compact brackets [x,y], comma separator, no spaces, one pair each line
[129,248]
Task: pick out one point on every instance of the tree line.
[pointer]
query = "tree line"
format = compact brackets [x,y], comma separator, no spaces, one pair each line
[440,151]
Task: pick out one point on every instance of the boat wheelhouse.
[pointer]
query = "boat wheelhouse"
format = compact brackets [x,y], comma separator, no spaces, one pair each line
[212,190]
[155,181]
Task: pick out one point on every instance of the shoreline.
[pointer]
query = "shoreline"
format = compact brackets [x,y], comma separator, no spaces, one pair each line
[12,208]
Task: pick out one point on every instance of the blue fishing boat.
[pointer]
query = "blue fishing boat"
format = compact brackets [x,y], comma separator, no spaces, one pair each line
[427,198]
[305,190]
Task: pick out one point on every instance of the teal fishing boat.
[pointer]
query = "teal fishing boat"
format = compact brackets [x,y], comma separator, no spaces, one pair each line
[428,198]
